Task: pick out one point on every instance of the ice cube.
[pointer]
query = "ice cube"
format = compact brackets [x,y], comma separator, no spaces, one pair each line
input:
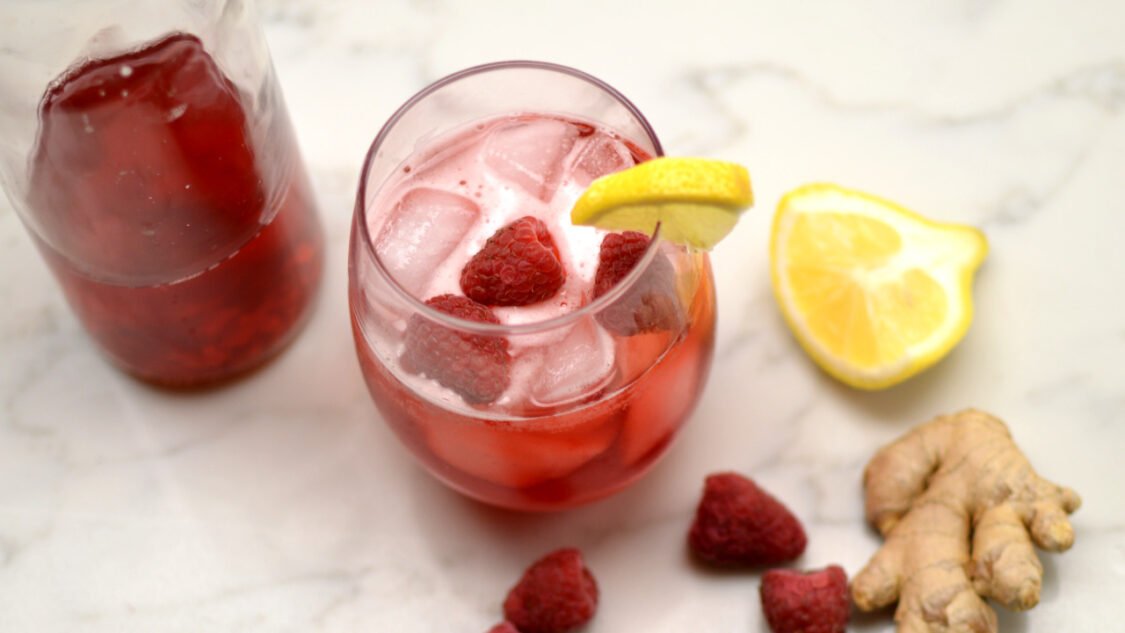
[576,367]
[425,226]
[520,454]
[530,154]
[601,154]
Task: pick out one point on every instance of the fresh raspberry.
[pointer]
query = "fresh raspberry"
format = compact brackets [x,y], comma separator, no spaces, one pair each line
[738,523]
[619,253]
[555,595]
[651,304]
[519,265]
[504,627]
[476,366]
[812,602]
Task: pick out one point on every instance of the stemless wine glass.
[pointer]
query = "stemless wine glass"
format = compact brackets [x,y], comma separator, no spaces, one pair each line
[591,397]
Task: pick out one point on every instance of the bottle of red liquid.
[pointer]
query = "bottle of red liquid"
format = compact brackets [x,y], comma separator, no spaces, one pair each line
[171,203]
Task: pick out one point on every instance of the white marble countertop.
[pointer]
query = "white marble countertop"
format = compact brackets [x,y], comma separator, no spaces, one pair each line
[282,503]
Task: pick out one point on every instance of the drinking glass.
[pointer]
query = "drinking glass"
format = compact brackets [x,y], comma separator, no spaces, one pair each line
[597,431]
[147,149]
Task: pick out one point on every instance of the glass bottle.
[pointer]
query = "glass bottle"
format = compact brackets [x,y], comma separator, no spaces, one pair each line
[148,151]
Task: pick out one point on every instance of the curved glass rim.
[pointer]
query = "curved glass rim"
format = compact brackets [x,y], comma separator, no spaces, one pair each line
[493,329]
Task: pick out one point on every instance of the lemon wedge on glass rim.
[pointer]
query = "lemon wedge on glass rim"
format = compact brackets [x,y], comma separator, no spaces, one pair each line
[696,201]
[873,292]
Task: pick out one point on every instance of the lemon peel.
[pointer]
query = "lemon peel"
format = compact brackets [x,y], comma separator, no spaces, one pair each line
[696,201]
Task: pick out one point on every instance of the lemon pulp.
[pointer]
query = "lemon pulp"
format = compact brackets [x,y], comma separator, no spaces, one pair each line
[873,292]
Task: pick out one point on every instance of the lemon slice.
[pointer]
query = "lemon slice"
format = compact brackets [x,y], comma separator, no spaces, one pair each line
[873,292]
[696,201]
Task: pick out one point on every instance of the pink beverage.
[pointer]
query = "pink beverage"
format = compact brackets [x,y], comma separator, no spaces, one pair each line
[567,395]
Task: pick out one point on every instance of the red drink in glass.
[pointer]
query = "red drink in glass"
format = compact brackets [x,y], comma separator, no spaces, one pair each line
[182,229]
[594,386]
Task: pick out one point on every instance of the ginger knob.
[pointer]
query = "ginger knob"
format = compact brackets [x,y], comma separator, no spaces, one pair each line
[959,506]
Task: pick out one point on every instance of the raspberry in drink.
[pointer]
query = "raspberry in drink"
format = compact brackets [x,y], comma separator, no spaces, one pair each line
[527,362]
[183,230]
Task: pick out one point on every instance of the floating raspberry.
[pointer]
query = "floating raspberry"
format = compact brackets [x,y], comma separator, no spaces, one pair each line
[738,523]
[555,595]
[651,304]
[474,365]
[519,265]
[812,602]
[504,627]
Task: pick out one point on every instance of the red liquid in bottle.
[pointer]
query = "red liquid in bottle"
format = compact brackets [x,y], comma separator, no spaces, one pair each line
[184,234]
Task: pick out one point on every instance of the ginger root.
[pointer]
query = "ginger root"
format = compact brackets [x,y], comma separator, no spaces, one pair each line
[959,506]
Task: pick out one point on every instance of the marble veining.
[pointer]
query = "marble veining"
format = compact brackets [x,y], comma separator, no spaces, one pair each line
[281,503]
